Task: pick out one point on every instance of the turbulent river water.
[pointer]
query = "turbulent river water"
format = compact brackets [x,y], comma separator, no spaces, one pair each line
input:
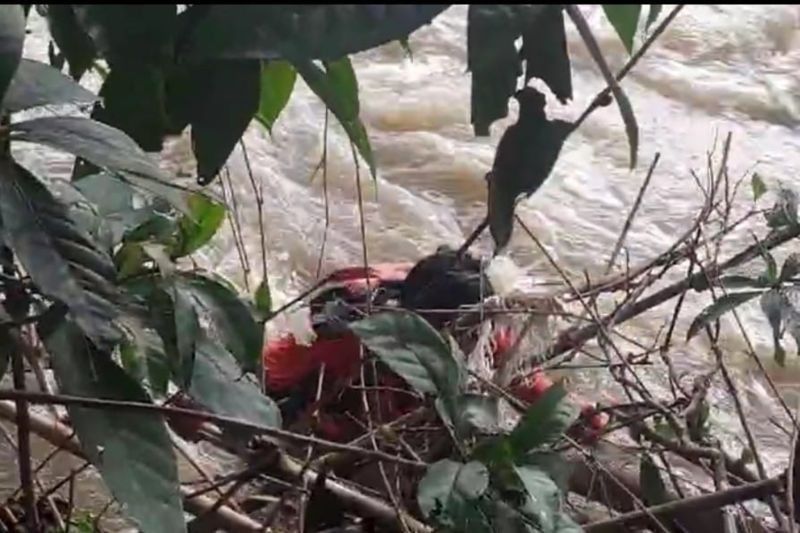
[717,69]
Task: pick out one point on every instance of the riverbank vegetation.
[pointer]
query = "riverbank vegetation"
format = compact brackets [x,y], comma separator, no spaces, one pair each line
[149,350]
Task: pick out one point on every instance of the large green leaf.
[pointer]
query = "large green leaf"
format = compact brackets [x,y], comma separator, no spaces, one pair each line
[543,423]
[72,40]
[198,227]
[542,501]
[12,35]
[175,319]
[413,350]
[62,262]
[722,305]
[326,32]
[448,491]
[231,320]
[544,49]
[217,383]
[132,449]
[94,141]
[277,83]
[625,19]
[337,87]
[37,84]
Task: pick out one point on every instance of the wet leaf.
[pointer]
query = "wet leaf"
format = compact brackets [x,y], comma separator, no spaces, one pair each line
[653,488]
[758,186]
[554,464]
[337,87]
[447,489]
[231,319]
[174,317]
[277,84]
[543,423]
[542,502]
[132,449]
[72,40]
[36,84]
[12,36]
[544,49]
[724,303]
[217,384]
[63,263]
[263,298]
[325,32]
[198,227]
[625,19]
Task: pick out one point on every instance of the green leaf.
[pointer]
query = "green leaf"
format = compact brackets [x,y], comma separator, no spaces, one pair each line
[217,383]
[12,36]
[413,350]
[554,464]
[277,83]
[653,489]
[175,319]
[742,282]
[197,228]
[652,15]
[36,84]
[63,263]
[625,19]
[230,318]
[544,49]
[791,267]
[337,87]
[493,60]
[447,489]
[72,40]
[477,413]
[772,304]
[542,502]
[784,212]
[132,449]
[263,298]
[758,186]
[94,141]
[326,32]
[543,423]
[722,305]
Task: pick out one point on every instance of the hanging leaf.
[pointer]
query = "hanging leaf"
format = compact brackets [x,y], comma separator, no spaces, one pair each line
[784,212]
[544,49]
[197,228]
[277,84]
[337,87]
[543,423]
[263,298]
[12,36]
[131,449]
[448,490]
[625,19]
[62,262]
[174,318]
[758,186]
[652,15]
[217,384]
[791,267]
[742,282]
[231,319]
[36,84]
[325,32]
[653,488]
[477,414]
[722,305]
[772,304]
[72,40]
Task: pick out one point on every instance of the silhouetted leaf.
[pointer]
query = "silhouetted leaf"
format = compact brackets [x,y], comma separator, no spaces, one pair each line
[62,262]
[447,491]
[132,449]
[197,228]
[758,186]
[544,49]
[326,32]
[36,84]
[337,87]
[217,384]
[772,304]
[653,488]
[230,318]
[722,305]
[652,15]
[277,83]
[12,35]
[72,40]
[543,423]
[625,19]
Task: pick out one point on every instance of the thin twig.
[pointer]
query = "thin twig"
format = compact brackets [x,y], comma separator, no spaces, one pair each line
[23,435]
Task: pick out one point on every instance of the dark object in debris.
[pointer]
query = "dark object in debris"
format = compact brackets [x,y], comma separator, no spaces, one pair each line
[441,283]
